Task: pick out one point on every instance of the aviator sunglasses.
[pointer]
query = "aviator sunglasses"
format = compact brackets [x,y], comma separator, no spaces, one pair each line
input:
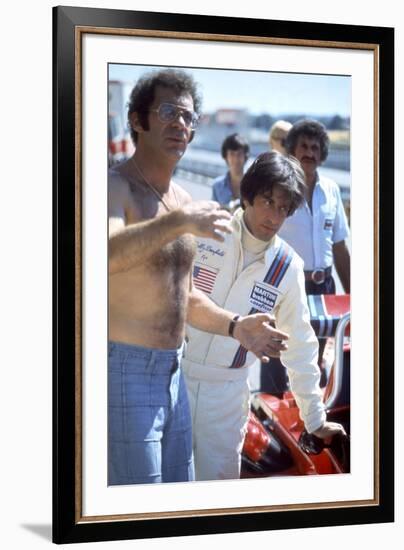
[168,112]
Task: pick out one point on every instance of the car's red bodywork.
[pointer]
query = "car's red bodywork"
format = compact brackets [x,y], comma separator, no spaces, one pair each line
[273,443]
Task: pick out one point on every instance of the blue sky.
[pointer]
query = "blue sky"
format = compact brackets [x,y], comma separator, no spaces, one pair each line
[262,92]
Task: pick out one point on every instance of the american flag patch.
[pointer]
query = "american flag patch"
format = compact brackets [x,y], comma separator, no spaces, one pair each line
[204,278]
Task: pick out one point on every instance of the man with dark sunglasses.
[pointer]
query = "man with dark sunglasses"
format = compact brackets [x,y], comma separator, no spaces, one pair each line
[152,225]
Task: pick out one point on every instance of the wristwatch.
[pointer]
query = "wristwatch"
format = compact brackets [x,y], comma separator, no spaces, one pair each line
[232,325]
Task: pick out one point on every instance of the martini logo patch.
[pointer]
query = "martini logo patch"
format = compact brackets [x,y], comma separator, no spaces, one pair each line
[263,298]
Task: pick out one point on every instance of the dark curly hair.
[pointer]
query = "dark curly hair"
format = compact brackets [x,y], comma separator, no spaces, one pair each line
[142,95]
[313,130]
[234,142]
[270,169]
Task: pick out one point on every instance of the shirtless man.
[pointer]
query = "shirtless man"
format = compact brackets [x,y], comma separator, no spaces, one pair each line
[152,224]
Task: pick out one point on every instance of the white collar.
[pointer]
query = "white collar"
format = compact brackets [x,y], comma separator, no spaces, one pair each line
[251,243]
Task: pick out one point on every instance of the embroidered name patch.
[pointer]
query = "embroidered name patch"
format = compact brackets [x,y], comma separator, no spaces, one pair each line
[263,298]
[207,248]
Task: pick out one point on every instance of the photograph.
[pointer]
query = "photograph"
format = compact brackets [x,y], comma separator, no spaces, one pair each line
[248,418]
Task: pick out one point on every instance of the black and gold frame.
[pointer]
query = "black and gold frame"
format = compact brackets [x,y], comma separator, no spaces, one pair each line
[85,41]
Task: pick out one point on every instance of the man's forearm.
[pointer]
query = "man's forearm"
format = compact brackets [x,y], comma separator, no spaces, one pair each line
[136,243]
[252,331]
[205,315]
[342,262]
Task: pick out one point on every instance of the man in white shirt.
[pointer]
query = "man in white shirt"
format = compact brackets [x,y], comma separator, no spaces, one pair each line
[252,271]
[317,230]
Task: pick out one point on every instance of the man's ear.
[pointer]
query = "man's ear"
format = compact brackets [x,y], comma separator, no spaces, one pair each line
[135,122]
[244,203]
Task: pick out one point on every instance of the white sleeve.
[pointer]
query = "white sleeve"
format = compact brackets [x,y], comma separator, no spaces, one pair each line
[340,228]
[300,358]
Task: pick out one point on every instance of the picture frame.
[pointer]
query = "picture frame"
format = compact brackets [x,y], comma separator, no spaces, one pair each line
[71,208]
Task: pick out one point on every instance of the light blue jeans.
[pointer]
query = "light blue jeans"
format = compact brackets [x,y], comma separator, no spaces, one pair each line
[149,420]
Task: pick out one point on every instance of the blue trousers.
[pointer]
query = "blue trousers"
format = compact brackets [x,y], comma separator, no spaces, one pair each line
[149,420]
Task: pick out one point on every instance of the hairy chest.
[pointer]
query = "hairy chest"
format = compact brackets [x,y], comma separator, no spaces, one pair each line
[176,256]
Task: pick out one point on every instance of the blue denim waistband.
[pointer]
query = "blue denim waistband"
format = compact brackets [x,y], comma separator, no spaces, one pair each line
[141,352]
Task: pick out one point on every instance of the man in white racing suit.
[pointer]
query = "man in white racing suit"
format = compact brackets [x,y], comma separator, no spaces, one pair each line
[252,271]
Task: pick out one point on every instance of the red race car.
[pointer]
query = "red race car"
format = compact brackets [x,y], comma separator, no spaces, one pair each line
[277,442]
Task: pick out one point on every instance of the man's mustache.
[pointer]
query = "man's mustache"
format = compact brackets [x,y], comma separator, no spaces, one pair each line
[308,158]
